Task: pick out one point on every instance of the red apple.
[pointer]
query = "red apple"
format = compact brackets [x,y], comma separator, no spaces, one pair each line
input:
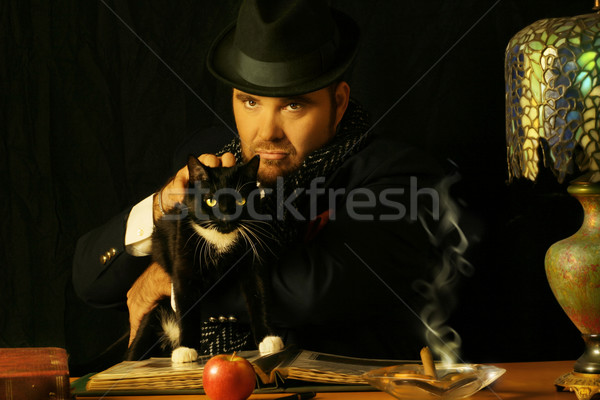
[228,377]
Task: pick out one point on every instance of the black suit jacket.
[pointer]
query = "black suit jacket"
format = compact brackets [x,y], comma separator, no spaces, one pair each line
[347,285]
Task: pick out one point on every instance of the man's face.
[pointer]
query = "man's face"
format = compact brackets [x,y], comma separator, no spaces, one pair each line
[283,131]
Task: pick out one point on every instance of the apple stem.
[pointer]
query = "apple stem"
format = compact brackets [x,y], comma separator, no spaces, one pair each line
[233,355]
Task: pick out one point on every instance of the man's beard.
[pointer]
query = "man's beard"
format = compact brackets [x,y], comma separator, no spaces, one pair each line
[269,170]
[272,169]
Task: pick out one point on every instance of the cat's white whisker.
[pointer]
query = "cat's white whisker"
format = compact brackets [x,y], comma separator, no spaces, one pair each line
[256,221]
[188,240]
[239,188]
[200,243]
[205,252]
[253,234]
[248,239]
[260,240]
[253,245]
[264,225]
[260,229]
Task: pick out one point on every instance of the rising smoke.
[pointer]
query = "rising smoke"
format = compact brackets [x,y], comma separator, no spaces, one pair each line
[449,238]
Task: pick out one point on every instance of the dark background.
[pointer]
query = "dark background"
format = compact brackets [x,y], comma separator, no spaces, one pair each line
[91,117]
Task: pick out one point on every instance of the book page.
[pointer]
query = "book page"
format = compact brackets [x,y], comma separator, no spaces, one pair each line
[321,367]
[155,373]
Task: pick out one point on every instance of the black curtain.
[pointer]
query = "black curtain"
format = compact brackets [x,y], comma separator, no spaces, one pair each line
[98,94]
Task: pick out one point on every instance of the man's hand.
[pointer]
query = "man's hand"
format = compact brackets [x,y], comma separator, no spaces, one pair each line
[146,291]
[172,192]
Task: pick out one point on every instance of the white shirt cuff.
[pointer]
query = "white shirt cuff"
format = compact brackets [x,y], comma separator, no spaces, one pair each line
[140,225]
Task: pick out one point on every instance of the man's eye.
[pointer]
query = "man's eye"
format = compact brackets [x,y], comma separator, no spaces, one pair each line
[250,103]
[211,202]
[294,106]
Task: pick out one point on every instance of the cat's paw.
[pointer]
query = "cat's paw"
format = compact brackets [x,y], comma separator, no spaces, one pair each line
[183,355]
[270,344]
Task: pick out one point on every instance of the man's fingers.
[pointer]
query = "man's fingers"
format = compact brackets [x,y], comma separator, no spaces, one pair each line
[135,319]
[152,285]
[228,160]
[134,323]
[132,332]
[134,306]
[210,160]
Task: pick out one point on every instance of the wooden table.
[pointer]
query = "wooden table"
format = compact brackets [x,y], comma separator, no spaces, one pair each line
[522,381]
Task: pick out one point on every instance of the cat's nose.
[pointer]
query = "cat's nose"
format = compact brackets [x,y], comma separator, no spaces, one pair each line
[227,227]
[227,218]
[227,213]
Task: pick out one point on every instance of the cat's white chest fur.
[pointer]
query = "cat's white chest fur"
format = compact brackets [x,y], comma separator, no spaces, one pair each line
[220,241]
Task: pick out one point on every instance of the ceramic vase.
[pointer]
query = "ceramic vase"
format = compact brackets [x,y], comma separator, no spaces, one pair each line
[573,271]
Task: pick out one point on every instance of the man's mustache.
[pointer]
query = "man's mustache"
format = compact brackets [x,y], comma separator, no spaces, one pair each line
[273,148]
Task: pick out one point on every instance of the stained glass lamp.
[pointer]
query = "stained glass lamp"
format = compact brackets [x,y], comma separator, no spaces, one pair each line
[552,73]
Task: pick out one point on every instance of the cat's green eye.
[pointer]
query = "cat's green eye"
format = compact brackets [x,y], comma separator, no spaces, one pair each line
[240,202]
[211,202]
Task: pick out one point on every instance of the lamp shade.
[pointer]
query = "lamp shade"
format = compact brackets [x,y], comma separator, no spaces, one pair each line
[553,98]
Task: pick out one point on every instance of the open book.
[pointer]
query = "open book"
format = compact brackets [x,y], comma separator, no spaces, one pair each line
[273,370]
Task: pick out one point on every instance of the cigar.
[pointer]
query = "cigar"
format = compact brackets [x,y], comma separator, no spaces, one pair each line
[428,364]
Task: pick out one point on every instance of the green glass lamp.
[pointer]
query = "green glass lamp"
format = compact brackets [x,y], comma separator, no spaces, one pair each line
[552,74]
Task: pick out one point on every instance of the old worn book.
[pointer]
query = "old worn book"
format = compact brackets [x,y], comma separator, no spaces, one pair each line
[34,373]
[274,370]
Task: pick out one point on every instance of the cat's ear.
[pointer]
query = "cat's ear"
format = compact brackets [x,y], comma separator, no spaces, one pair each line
[198,171]
[251,166]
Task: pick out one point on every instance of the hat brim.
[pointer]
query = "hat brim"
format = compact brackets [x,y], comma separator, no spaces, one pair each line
[221,62]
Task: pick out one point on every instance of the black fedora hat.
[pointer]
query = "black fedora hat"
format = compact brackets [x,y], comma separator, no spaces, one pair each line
[284,48]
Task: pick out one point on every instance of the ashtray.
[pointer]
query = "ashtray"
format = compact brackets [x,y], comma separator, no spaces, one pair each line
[454,381]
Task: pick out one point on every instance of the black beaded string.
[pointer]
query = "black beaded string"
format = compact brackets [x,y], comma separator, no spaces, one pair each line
[224,337]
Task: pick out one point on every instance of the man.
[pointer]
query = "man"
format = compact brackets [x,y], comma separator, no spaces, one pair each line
[346,218]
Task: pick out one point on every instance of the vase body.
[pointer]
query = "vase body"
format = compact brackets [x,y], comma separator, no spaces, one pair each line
[573,269]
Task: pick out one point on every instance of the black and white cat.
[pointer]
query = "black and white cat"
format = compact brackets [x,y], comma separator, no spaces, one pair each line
[196,245]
